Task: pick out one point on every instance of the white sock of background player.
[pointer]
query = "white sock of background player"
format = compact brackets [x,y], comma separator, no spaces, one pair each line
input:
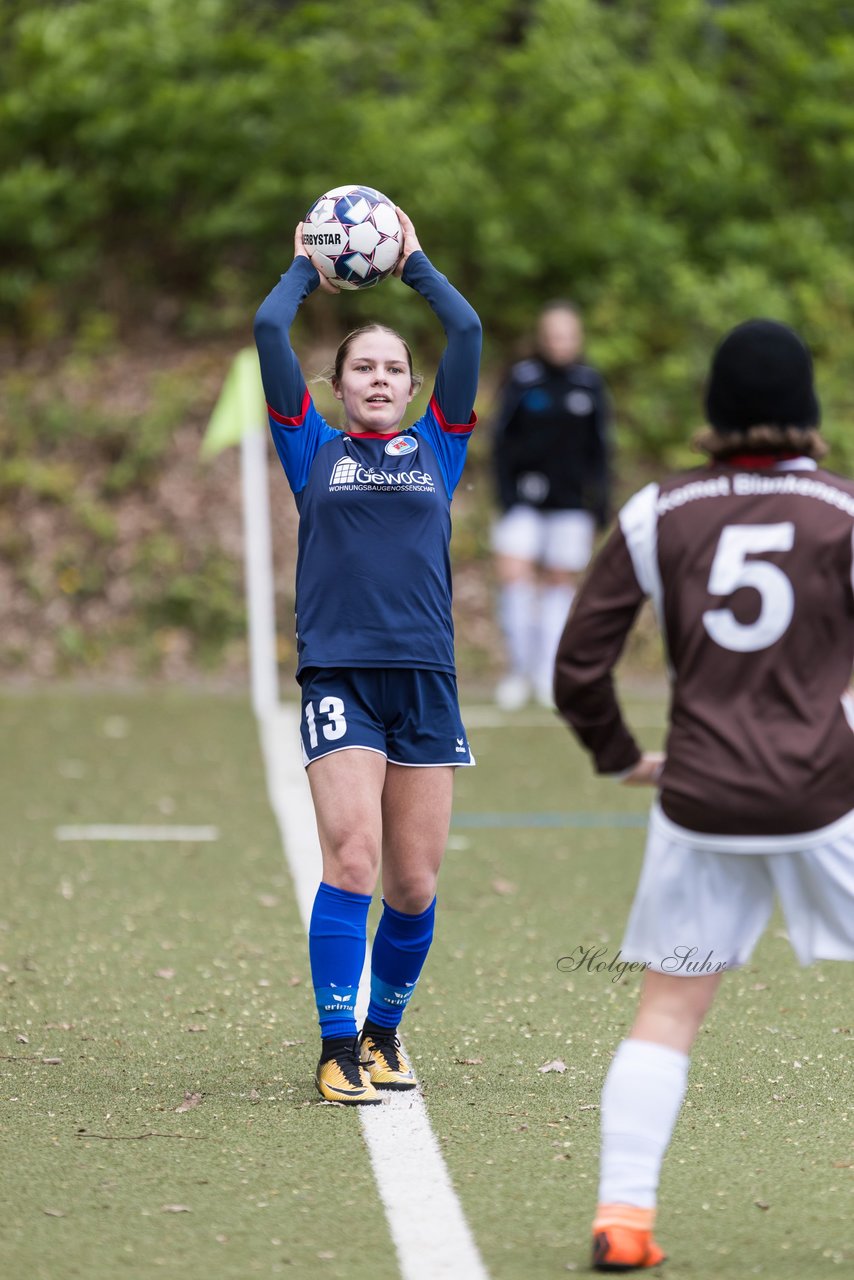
[641,1100]
[517,614]
[555,601]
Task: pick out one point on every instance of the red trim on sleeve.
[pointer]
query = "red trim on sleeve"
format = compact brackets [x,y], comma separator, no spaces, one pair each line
[456,428]
[291,422]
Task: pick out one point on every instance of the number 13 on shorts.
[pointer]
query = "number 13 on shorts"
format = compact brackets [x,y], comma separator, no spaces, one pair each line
[336,723]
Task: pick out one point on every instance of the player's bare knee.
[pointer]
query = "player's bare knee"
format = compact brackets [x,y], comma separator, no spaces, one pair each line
[353,863]
[412,895]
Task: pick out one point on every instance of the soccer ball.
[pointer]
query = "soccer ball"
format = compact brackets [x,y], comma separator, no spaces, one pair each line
[353,236]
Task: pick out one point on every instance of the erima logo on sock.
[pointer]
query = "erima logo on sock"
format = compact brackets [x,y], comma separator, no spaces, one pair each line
[385,993]
[335,999]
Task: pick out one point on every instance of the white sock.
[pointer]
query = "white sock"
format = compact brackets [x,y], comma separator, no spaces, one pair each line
[554,607]
[641,1099]
[517,609]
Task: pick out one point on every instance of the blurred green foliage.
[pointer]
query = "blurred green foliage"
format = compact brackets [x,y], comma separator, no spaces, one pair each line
[197,595]
[675,165]
[82,483]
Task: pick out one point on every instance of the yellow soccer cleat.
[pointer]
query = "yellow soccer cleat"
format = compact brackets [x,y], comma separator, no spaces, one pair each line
[342,1078]
[383,1060]
[622,1239]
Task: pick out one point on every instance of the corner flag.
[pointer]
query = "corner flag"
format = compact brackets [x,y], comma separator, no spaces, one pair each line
[241,407]
[240,417]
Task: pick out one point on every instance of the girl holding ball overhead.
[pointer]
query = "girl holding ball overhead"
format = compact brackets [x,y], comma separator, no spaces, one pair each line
[381,727]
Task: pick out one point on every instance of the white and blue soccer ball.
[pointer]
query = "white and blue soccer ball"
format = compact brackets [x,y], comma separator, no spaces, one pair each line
[353,236]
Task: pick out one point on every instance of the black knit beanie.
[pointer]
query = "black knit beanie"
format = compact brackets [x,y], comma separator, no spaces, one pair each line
[761,375]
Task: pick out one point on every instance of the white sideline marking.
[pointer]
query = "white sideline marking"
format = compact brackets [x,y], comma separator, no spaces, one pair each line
[426,1221]
[102,831]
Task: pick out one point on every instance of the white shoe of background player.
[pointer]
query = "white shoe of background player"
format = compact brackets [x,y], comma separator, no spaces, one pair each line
[512,693]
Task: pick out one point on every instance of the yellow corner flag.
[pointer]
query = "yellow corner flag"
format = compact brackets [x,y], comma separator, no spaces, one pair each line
[241,406]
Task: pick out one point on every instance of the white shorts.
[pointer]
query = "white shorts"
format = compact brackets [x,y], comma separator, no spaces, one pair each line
[554,539]
[698,910]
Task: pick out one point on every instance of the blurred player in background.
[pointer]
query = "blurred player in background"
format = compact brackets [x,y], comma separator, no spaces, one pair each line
[381,727]
[551,459]
[748,562]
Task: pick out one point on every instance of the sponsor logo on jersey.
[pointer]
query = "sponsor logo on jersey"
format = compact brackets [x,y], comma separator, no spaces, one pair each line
[344,472]
[349,474]
[400,445]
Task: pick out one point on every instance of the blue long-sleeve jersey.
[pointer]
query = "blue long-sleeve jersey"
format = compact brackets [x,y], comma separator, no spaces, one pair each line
[373,583]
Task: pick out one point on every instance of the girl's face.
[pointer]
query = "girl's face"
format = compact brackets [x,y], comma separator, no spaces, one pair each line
[375,384]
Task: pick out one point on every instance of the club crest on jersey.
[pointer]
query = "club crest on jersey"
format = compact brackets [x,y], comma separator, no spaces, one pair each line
[400,445]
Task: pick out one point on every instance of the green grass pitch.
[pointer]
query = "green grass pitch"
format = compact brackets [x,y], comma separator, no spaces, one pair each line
[142,978]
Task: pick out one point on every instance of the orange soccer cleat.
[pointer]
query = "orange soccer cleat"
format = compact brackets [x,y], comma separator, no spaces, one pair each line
[622,1238]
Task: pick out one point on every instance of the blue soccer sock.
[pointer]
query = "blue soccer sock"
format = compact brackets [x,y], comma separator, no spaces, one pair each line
[400,949]
[337,938]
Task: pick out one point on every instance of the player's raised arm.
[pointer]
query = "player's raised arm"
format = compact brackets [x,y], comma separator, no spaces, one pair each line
[284,385]
[456,378]
[297,428]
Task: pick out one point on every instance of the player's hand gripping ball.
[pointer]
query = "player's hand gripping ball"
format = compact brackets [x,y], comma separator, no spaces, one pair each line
[353,236]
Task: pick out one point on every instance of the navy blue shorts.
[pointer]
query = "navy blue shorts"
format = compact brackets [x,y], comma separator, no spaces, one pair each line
[410,717]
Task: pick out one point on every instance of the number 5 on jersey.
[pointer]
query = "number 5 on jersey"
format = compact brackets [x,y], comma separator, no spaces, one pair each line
[731,570]
[336,725]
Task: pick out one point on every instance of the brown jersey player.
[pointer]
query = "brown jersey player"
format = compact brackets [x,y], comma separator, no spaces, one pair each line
[748,564]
